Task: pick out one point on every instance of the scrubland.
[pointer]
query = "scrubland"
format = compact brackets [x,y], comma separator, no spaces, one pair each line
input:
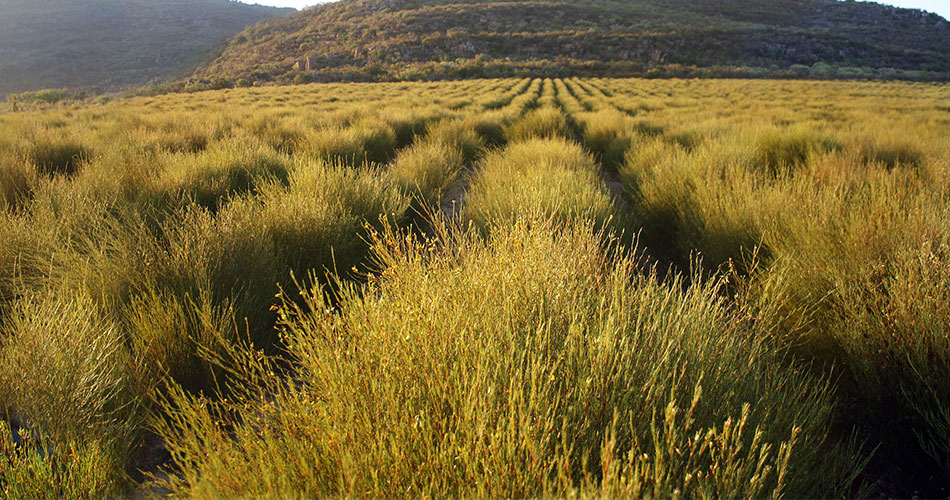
[487,288]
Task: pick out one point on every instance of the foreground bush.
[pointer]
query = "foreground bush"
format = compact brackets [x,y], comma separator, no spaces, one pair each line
[33,469]
[866,291]
[72,384]
[528,364]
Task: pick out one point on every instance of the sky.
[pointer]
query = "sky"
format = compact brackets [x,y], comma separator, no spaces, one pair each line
[941,7]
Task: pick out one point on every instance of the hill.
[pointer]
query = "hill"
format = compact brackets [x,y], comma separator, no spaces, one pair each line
[413,39]
[109,44]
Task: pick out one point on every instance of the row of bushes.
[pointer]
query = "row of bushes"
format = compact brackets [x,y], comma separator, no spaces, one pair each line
[837,242]
[141,250]
[526,356]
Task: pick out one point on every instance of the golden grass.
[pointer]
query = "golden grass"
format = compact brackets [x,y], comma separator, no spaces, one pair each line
[152,250]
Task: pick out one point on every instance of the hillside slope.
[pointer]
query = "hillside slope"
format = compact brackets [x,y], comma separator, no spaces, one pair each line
[383,39]
[108,44]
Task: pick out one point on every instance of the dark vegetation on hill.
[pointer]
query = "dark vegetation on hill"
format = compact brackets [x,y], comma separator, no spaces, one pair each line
[110,44]
[420,39]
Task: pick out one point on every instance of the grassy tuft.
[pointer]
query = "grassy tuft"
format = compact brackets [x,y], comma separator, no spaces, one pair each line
[319,222]
[358,144]
[458,135]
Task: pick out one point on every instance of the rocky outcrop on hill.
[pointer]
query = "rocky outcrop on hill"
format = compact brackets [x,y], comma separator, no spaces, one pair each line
[395,39]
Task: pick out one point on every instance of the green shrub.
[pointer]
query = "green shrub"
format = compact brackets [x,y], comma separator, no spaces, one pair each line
[38,469]
[47,96]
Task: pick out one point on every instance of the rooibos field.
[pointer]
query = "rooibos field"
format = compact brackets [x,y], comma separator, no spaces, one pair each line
[491,288]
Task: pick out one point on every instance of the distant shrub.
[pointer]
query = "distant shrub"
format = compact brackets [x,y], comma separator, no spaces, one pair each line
[782,151]
[228,169]
[541,178]
[319,221]
[427,170]
[58,156]
[301,78]
[48,96]
[196,86]
[544,123]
